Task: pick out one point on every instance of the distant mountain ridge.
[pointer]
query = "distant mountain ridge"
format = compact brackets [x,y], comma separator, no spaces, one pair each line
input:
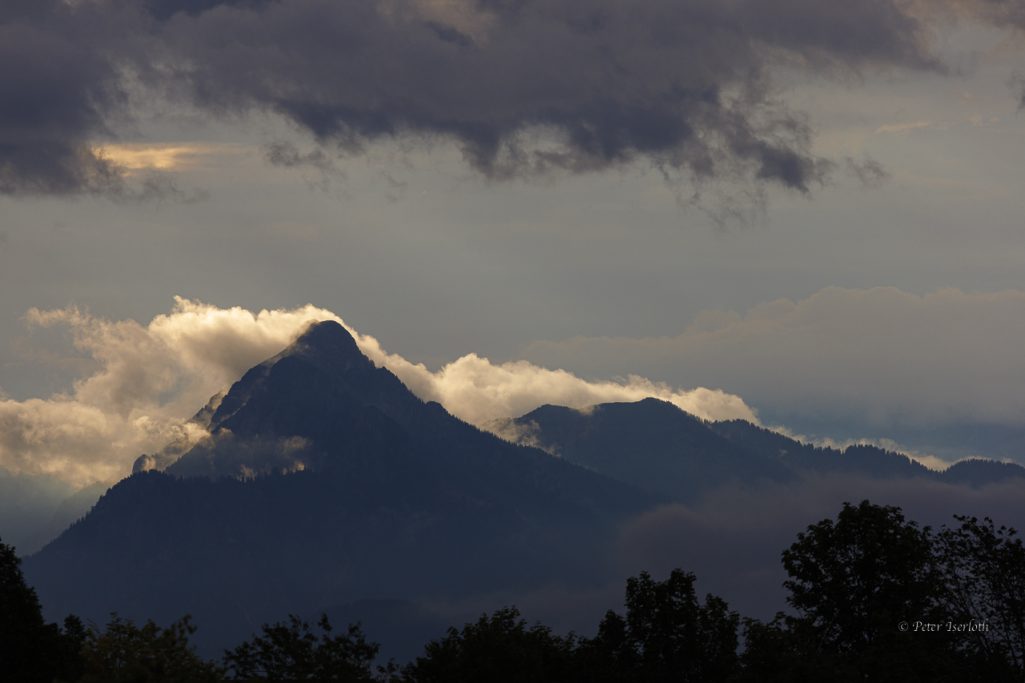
[658,447]
[650,444]
[862,459]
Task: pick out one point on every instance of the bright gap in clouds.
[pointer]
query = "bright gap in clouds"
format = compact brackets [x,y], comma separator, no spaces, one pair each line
[139,157]
[153,377]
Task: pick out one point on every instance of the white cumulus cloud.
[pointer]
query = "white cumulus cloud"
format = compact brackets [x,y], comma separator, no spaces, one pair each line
[880,355]
[150,378]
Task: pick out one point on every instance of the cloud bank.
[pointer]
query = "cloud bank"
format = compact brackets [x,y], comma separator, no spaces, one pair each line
[148,379]
[521,86]
[878,355]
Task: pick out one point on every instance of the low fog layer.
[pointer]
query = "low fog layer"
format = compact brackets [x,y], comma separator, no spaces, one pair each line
[733,541]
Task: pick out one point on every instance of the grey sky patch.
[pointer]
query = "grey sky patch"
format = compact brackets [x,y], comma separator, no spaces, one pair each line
[156,187]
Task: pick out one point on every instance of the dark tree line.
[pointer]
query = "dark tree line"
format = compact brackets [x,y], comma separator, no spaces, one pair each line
[872,596]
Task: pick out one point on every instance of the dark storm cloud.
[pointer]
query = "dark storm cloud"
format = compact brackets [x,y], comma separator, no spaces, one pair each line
[56,89]
[165,9]
[523,86]
[526,87]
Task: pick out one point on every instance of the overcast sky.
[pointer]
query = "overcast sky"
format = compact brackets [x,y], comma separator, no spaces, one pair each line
[813,210]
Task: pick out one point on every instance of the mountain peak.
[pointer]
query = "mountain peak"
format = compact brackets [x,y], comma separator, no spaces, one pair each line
[328,346]
[326,336]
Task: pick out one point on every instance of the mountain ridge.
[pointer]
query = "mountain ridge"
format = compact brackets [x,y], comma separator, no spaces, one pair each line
[392,492]
[658,447]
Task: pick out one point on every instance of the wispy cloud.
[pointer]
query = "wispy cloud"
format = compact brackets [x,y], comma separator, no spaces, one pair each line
[929,460]
[904,127]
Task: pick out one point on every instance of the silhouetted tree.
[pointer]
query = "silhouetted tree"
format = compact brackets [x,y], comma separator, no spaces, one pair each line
[291,651]
[126,653]
[501,648]
[30,649]
[865,587]
[984,570]
[23,641]
[68,651]
[667,635]
[785,651]
[856,578]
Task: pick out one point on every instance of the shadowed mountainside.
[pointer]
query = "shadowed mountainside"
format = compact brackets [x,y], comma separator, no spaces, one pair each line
[651,444]
[325,481]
